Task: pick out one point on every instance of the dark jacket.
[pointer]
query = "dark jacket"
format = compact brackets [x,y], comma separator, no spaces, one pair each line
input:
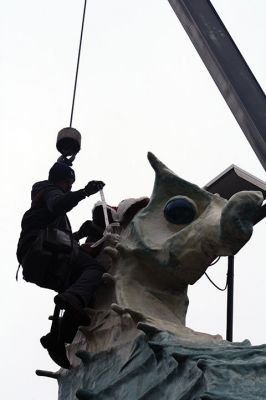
[49,207]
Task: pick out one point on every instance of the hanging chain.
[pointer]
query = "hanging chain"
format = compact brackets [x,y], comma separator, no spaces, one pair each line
[77,68]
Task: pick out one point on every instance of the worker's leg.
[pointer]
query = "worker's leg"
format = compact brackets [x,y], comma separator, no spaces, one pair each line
[84,278]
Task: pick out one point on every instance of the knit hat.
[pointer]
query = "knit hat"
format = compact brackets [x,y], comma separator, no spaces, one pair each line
[98,215]
[60,171]
[128,208]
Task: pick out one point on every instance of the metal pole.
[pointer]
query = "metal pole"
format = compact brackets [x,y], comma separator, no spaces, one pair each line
[227,67]
[230,299]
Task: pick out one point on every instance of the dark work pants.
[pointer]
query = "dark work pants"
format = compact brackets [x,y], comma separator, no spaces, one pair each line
[78,273]
[85,275]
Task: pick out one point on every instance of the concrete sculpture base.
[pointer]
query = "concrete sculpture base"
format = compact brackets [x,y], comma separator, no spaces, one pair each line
[115,360]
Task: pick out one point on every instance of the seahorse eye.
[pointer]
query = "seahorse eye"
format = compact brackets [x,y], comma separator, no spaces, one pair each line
[180,210]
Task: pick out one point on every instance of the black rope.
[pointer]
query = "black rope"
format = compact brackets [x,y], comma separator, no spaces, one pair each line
[77,69]
[214,284]
[215,261]
[217,287]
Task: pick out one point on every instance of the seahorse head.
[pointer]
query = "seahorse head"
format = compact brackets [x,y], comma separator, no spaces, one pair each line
[184,228]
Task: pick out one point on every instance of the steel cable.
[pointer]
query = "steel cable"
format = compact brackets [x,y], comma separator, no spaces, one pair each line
[78,59]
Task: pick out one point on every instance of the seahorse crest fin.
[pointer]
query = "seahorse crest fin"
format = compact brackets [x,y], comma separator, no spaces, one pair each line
[159,167]
[167,182]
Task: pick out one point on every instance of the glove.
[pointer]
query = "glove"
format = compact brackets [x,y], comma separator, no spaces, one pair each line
[85,229]
[93,187]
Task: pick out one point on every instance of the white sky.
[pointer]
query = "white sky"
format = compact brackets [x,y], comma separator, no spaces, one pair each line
[142,87]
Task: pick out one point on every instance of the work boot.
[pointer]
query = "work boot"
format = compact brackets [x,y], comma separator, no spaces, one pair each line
[56,349]
[68,327]
[71,303]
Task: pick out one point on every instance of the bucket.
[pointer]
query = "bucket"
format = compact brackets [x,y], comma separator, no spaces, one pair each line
[68,142]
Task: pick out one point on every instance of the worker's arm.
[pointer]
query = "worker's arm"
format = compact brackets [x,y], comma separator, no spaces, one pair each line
[60,203]
[89,230]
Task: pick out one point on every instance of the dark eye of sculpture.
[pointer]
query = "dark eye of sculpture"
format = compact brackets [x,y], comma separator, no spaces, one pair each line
[180,210]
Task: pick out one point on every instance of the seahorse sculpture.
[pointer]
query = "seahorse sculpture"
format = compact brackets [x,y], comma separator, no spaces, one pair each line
[137,346]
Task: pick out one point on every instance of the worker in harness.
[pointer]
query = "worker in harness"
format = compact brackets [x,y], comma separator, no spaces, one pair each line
[51,257]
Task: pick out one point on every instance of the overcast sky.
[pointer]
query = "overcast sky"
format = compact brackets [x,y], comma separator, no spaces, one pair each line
[142,87]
